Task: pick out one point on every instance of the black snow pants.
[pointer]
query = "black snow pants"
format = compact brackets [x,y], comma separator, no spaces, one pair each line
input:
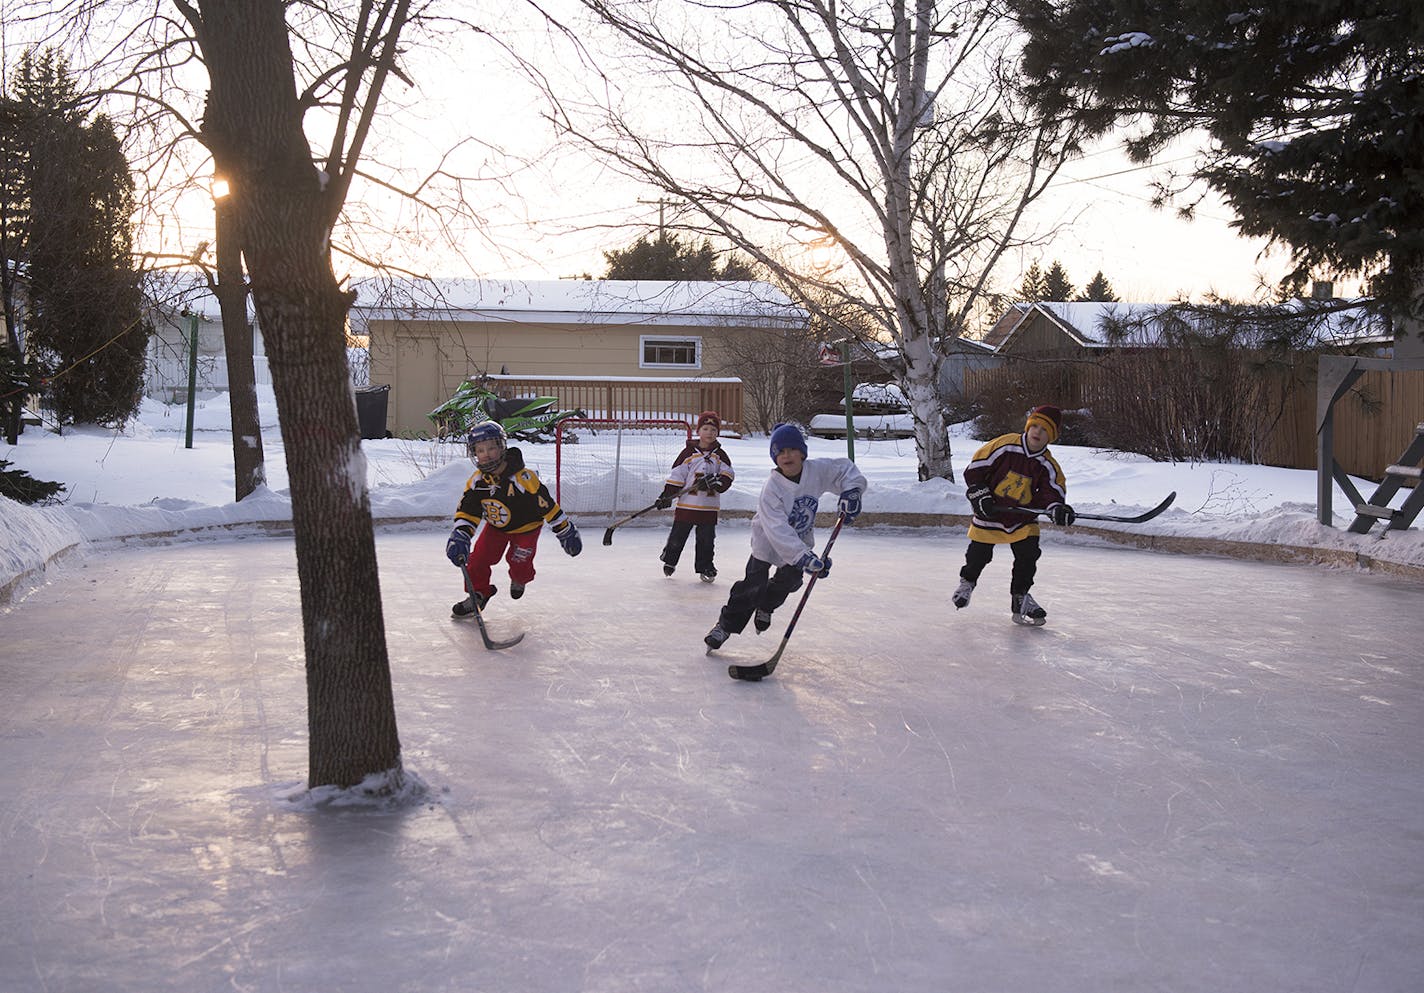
[1026,553]
[759,589]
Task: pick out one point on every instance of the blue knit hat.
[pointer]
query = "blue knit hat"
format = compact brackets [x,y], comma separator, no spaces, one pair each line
[787,436]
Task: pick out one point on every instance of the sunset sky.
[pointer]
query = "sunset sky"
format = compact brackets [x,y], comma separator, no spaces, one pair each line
[542,210]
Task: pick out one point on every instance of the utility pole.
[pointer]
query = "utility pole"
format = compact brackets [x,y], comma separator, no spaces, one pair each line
[662,203]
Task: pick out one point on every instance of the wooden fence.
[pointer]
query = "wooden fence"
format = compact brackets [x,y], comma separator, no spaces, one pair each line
[633,397]
[1374,422]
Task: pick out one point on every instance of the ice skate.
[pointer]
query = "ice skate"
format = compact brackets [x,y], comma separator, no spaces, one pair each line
[471,603]
[1027,611]
[762,620]
[962,594]
[716,637]
[516,590]
[709,575]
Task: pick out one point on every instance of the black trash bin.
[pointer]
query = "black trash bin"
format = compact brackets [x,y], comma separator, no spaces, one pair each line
[371,410]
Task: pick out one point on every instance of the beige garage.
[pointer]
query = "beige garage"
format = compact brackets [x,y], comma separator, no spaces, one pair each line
[662,341]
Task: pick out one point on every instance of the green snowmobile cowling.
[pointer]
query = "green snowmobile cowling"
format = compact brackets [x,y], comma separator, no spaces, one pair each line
[524,418]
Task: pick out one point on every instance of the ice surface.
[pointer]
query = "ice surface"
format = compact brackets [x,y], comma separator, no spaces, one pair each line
[1201,775]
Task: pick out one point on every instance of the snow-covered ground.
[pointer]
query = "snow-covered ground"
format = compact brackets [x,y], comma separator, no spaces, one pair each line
[143,481]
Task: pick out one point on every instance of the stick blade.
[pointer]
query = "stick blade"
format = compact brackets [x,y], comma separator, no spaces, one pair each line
[608,537]
[749,673]
[755,673]
[490,643]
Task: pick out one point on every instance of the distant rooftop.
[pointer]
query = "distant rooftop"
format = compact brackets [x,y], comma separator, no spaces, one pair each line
[577,301]
[561,301]
[1099,325]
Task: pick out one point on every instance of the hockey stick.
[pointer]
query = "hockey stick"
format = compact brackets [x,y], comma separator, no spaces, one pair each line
[608,535]
[1138,519]
[752,673]
[490,643]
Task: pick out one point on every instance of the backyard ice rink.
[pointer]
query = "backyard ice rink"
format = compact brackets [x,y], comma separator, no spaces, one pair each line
[1201,775]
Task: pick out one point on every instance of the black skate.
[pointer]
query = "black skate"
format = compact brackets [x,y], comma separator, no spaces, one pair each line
[762,620]
[516,590]
[961,596]
[472,603]
[708,575]
[716,638]
[1026,610]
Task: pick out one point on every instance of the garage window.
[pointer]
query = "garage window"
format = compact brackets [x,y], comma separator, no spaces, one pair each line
[670,353]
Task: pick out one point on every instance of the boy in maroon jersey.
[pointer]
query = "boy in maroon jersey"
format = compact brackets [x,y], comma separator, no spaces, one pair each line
[1014,470]
[701,473]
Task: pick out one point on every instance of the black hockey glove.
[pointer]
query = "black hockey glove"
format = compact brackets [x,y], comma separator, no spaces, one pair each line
[982,500]
[1062,514]
[664,500]
[721,484]
[569,538]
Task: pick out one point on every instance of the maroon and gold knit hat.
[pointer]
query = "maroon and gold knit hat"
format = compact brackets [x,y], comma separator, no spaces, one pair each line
[1048,417]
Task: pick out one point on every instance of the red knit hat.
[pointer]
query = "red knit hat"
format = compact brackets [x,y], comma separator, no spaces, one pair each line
[709,417]
[1048,417]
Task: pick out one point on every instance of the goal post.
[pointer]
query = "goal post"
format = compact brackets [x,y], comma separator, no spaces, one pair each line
[614,465]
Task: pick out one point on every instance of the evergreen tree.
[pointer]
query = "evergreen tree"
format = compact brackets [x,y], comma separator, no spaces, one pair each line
[86,331]
[1315,111]
[20,486]
[14,254]
[1056,285]
[1098,290]
[1034,287]
[668,257]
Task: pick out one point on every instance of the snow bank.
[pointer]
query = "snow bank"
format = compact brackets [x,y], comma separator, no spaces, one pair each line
[143,480]
[30,537]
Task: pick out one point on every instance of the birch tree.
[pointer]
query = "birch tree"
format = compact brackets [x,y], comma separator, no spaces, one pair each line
[886,135]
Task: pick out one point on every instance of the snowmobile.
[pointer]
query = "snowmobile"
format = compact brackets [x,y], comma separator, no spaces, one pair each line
[526,418]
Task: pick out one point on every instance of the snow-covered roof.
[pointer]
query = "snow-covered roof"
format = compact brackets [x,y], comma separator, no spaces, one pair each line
[1100,325]
[577,301]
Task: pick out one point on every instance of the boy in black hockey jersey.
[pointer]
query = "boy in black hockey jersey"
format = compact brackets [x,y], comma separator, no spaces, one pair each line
[514,506]
[701,473]
[1014,470]
[783,532]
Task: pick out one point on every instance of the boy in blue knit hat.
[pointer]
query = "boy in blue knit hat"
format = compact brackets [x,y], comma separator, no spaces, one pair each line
[783,532]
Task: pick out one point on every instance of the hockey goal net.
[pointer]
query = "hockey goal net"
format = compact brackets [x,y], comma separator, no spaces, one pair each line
[615,466]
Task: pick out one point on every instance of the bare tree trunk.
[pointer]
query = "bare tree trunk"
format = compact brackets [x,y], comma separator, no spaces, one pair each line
[283,216]
[12,407]
[248,461]
[1409,319]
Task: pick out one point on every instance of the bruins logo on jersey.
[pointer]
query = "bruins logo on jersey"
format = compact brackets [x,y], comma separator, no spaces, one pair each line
[496,512]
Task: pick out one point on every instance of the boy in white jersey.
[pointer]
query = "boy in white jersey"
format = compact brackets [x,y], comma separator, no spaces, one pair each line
[783,531]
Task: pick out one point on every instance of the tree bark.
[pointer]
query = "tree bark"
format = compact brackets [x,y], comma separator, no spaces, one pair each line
[282,216]
[248,461]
